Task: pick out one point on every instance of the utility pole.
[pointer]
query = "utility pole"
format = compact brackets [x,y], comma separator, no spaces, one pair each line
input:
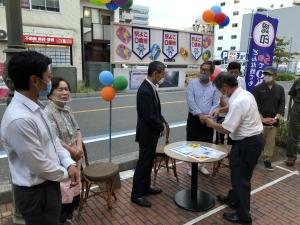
[14,37]
[14,45]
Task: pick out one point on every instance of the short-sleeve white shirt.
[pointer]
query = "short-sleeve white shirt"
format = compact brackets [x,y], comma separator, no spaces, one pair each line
[243,119]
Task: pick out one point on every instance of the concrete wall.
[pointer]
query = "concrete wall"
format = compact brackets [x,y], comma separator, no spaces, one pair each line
[65,23]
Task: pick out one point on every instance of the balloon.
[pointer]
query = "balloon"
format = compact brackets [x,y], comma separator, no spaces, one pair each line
[208,16]
[106,78]
[104,1]
[108,93]
[120,2]
[96,2]
[227,20]
[216,72]
[216,9]
[120,83]
[128,6]
[206,55]
[220,18]
[111,6]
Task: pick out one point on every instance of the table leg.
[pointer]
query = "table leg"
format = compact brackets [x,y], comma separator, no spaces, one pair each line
[193,199]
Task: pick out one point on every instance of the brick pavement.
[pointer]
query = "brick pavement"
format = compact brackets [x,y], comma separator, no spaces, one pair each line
[275,201]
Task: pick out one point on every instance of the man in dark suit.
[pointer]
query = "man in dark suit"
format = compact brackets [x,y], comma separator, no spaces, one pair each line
[150,126]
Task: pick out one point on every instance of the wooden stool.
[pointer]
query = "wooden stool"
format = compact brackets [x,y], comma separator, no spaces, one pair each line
[161,160]
[103,175]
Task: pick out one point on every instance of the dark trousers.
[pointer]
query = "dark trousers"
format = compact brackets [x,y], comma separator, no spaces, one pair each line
[243,158]
[68,209]
[197,131]
[293,132]
[40,204]
[142,174]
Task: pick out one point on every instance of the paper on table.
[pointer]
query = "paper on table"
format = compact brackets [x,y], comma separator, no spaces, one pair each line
[197,152]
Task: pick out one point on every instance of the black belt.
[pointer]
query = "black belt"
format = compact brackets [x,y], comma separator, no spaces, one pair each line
[247,138]
[41,185]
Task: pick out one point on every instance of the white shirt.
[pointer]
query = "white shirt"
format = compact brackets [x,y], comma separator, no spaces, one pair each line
[241,82]
[243,119]
[34,151]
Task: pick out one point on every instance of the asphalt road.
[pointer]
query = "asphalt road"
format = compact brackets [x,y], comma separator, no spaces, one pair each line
[92,114]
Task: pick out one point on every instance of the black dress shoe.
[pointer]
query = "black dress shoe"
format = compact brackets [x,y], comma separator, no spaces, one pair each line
[141,202]
[153,191]
[224,200]
[234,218]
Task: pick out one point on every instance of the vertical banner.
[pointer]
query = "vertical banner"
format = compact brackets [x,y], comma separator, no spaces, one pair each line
[140,41]
[196,45]
[261,48]
[170,44]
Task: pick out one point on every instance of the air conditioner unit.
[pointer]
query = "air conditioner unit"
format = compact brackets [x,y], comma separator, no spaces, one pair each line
[3,35]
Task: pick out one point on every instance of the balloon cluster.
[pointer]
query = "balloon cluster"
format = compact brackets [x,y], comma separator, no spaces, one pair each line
[114,4]
[214,16]
[111,85]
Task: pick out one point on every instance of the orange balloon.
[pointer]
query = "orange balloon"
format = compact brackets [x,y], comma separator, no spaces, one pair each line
[108,93]
[208,16]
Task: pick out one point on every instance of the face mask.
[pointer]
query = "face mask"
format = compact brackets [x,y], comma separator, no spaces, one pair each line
[61,101]
[46,91]
[161,81]
[204,77]
[268,79]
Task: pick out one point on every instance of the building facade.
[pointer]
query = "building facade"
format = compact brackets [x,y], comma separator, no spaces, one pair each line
[138,15]
[51,27]
[229,37]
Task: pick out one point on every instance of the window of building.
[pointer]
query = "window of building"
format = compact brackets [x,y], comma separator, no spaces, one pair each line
[236,1]
[48,5]
[222,4]
[60,54]
[232,48]
[233,36]
[234,24]
[219,48]
[281,5]
[235,13]
[220,38]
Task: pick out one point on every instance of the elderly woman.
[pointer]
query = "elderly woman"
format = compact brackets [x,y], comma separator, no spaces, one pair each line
[68,131]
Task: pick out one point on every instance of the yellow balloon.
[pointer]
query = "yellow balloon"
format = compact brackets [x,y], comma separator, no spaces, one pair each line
[105,1]
[213,23]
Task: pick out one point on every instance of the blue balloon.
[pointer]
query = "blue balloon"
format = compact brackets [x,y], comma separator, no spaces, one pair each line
[111,6]
[216,9]
[226,22]
[106,78]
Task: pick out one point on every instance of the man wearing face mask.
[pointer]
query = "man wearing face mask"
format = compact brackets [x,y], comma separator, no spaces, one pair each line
[150,126]
[37,160]
[244,126]
[270,100]
[202,99]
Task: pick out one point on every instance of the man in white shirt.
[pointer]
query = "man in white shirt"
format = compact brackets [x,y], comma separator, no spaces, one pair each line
[37,161]
[244,125]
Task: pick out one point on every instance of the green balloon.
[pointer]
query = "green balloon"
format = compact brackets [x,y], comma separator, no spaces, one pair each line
[96,2]
[128,5]
[120,83]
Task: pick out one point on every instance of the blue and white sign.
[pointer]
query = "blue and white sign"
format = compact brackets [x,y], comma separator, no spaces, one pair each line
[170,44]
[224,54]
[196,45]
[261,48]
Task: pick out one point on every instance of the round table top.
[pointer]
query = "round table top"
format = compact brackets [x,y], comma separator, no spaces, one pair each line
[181,157]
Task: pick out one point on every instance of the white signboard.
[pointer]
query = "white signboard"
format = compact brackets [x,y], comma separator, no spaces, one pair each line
[170,44]
[140,41]
[236,56]
[264,34]
[196,45]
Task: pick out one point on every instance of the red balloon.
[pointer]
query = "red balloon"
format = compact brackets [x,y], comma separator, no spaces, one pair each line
[220,18]
[108,93]
[208,16]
